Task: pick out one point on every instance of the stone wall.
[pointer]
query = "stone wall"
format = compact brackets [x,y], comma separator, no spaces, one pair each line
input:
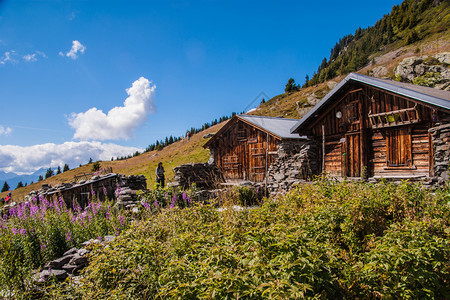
[440,136]
[114,186]
[297,162]
[204,175]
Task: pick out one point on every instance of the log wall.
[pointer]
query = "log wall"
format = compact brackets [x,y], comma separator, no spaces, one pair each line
[372,132]
[241,152]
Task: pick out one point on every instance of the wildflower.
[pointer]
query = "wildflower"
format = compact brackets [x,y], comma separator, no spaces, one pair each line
[174,201]
[68,236]
[14,230]
[104,190]
[187,198]
[23,231]
[145,204]
[122,220]
[92,192]
[118,191]
[107,215]
[155,203]
[43,247]
[61,202]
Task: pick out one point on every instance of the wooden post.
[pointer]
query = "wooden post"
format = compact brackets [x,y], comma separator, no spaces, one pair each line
[267,160]
[363,139]
[323,147]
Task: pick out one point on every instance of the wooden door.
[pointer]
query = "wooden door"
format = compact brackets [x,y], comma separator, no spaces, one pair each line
[398,148]
[352,155]
[257,162]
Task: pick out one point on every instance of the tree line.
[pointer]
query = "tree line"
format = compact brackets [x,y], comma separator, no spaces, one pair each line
[352,52]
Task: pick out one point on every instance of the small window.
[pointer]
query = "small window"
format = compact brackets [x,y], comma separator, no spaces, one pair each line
[398,148]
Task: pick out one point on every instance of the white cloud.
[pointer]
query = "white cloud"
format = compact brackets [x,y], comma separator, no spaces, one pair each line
[8,56]
[5,130]
[121,121]
[33,56]
[77,47]
[28,159]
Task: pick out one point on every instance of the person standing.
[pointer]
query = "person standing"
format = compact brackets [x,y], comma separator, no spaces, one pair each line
[160,174]
[188,135]
[8,198]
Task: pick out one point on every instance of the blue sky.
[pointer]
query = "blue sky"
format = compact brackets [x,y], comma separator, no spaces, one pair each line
[65,64]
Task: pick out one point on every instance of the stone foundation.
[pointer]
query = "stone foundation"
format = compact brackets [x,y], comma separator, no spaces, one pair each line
[297,162]
[204,175]
[440,136]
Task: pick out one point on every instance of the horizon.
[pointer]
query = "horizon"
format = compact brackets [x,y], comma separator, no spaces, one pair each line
[106,79]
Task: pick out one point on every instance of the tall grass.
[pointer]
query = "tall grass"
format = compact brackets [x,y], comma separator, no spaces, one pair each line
[324,240]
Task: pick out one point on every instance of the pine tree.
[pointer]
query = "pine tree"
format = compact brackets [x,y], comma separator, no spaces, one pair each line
[40,178]
[66,168]
[19,185]
[49,173]
[291,86]
[5,187]
[90,160]
[58,171]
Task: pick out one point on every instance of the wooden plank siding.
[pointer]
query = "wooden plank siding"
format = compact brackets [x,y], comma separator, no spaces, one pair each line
[397,145]
[242,150]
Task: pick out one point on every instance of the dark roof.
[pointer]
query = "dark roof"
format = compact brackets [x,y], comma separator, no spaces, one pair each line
[278,127]
[431,96]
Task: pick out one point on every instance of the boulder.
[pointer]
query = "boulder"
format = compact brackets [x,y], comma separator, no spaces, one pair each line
[58,263]
[46,274]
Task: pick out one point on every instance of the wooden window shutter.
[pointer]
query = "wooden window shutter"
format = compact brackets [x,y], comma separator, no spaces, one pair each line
[398,146]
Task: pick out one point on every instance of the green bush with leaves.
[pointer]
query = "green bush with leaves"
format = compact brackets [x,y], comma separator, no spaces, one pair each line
[324,240]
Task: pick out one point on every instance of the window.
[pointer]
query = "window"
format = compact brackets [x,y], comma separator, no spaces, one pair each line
[398,148]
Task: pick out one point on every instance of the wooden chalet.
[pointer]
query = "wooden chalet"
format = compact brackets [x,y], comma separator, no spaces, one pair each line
[370,127]
[244,148]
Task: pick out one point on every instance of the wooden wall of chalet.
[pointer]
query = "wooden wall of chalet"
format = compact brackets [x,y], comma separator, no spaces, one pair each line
[240,152]
[383,132]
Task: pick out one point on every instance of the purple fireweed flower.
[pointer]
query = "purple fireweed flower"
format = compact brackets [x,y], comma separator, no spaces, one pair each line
[89,218]
[117,231]
[68,236]
[92,192]
[174,201]
[12,212]
[118,191]
[61,202]
[145,204]
[122,220]
[104,190]
[43,247]
[14,230]
[155,203]
[107,215]
[33,210]
[23,231]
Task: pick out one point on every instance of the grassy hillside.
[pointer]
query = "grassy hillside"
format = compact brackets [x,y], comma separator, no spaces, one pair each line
[285,105]
[178,153]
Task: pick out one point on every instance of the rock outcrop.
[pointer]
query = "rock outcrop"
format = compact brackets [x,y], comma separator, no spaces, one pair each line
[432,71]
[70,264]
